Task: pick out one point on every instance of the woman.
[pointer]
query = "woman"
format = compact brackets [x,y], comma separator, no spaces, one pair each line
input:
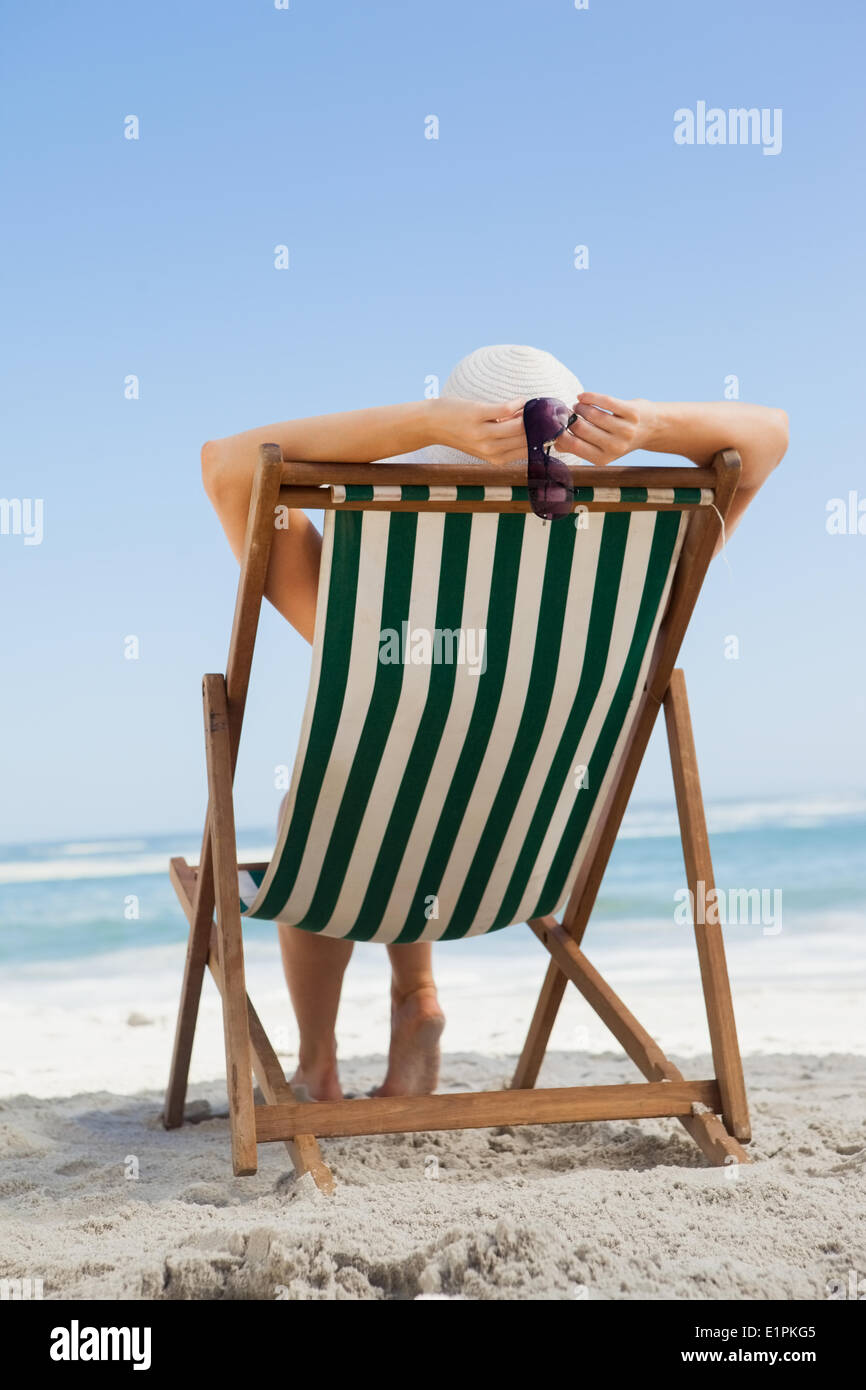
[477,417]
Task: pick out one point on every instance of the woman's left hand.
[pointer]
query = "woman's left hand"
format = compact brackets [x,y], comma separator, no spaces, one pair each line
[606,428]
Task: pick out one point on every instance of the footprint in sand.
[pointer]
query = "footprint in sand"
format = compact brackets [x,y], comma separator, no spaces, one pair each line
[78,1165]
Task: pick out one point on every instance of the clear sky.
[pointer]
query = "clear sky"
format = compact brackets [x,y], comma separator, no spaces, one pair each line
[306,127]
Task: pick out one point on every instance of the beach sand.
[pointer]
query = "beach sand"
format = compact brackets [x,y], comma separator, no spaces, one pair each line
[597,1211]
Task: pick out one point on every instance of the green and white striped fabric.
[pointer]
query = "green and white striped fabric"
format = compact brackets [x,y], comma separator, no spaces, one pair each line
[474,680]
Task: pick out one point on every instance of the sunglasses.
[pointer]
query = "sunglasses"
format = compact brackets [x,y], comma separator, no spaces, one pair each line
[548,480]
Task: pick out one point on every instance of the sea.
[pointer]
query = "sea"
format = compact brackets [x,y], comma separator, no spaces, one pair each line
[65,902]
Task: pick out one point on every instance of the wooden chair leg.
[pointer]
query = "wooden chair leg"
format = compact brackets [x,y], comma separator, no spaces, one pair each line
[710,942]
[704,1126]
[190,994]
[303,1148]
[254,567]
[239,1074]
[532,1056]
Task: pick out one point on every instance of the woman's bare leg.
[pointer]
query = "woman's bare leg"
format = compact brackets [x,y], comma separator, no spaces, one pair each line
[314,967]
[416,1023]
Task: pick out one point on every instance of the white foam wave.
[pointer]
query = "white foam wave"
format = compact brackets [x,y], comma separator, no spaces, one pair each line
[129,866]
[102,847]
[117,858]
[645,822]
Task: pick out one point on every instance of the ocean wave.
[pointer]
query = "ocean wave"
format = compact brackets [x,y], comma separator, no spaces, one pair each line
[128,866]
[78,848]
[723,817]
[129,858]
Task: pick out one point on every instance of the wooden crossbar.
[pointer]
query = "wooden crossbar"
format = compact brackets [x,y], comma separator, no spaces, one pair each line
[403,474]
[321,499]
[484,1109]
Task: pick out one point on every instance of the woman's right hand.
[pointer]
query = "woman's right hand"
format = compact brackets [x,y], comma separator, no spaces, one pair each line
[493,432]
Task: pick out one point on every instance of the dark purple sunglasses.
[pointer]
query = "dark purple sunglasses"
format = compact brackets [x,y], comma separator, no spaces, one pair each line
[549,481]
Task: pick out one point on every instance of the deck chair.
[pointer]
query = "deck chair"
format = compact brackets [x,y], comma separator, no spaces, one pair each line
[435,797]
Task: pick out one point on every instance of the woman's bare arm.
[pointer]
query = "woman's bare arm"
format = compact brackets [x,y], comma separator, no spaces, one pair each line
[494,432]
[608,428]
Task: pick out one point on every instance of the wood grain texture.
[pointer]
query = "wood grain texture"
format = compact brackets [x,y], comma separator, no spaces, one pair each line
[190,991]
[543,1019]
[484,1109]
[320,498]
[708,935]
[229,932]
[298,473]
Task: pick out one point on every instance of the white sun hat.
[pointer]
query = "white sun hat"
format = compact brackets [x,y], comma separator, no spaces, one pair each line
[496,374]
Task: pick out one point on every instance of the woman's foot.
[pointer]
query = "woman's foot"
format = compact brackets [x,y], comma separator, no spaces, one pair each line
[316,1080]
[413,1059]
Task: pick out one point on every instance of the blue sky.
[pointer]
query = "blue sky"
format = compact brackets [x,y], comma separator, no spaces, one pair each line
[155,257]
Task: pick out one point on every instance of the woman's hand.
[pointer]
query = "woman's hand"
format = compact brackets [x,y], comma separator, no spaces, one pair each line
[606,428]
[490,432]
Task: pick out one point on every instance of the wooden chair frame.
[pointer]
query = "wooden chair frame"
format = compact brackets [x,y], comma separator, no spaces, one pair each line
[713,1111]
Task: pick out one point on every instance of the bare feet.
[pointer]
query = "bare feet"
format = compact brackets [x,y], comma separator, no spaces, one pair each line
[316,1079]
[413,1060]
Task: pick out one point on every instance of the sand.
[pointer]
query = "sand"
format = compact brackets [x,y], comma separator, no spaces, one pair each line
[604,1211]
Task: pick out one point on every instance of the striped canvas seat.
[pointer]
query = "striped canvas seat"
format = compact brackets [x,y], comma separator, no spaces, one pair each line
[474,676]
